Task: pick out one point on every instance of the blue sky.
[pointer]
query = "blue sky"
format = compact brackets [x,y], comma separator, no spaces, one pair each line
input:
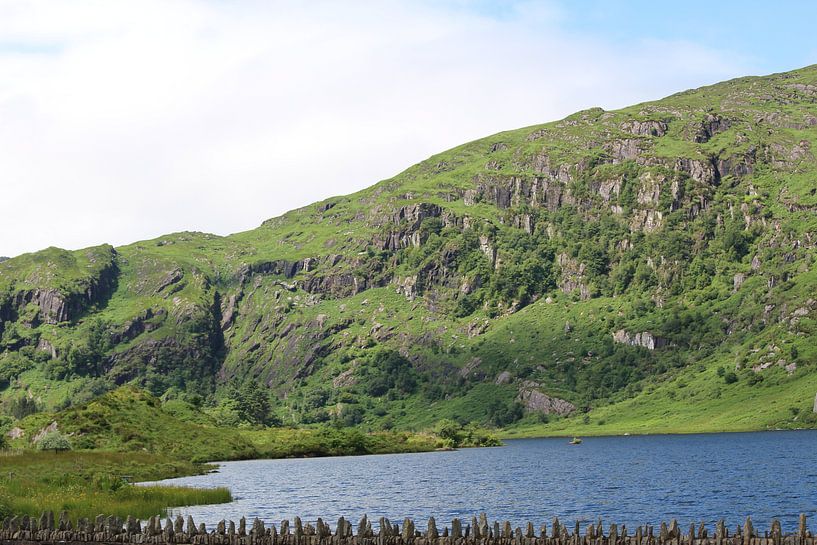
[136,118]
[771,36]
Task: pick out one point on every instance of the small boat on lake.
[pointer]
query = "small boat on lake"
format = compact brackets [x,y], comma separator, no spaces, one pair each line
[575,441]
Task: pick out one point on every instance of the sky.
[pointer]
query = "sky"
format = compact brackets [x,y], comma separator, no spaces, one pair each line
[125,120]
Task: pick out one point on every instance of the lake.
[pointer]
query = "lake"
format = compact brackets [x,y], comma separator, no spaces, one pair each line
[632,480]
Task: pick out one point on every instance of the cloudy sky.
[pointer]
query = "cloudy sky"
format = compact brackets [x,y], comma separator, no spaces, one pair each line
[125,120]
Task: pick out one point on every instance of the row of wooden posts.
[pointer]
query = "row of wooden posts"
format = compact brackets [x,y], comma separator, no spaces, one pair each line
[24,530]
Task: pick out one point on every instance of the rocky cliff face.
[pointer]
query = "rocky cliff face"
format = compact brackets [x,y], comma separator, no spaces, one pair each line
[584,255]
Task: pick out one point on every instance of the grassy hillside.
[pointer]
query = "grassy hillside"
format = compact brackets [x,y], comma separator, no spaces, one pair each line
[645,269]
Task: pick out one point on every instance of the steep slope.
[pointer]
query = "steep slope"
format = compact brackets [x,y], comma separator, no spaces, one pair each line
[549,270]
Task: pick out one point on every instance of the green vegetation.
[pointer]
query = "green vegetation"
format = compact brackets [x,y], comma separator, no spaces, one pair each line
[55,441]
[131,420]
[646,269]
[89,483]
[117,429]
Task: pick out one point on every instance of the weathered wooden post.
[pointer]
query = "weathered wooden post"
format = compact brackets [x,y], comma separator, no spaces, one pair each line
[748,531]
[65,523]
[431,530]
[408,530]
[456,529]
[529,530]
[168,532]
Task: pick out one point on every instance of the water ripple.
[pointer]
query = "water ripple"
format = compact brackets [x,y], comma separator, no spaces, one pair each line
[632,480]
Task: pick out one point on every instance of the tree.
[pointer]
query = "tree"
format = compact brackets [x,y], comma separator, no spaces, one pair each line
[245,402]
[254,403]
[22,407]
[449,431]
[55,441]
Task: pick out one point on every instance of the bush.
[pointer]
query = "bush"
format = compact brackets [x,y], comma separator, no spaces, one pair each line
[730,378]
[55,441]
[22,406]
[754,378]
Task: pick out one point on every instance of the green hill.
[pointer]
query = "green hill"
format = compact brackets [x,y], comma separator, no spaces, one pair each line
[127,419]
[645,269]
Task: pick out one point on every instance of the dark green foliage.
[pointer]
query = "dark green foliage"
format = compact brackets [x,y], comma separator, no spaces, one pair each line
[501,414]
[350,415]
[388,372]
[527,270]
[252,402]
[22,406]
[454,435]
[12,364]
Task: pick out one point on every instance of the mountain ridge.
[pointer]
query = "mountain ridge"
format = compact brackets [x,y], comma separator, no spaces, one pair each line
[569,264]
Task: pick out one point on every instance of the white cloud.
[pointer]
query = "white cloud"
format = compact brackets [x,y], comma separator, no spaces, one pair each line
[125,120]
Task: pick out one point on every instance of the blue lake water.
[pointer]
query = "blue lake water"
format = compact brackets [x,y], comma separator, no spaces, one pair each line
[632,480]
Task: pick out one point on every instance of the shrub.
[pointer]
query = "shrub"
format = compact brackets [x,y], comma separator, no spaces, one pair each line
[55,441]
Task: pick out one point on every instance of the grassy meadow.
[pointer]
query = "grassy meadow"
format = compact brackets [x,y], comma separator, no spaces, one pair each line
[86,484]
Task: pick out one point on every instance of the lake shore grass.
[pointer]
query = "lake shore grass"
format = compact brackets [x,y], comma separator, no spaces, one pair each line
[86,484]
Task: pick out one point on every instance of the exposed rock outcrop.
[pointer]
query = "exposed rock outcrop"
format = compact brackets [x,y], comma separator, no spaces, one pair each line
[65,304]
[572,276]
[408,219]
[535,401]
[711,125]
[145,321]
[51,428]
[644,339]
[650,127]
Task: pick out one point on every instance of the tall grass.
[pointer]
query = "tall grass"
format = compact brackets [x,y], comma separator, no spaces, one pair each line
[86,484]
